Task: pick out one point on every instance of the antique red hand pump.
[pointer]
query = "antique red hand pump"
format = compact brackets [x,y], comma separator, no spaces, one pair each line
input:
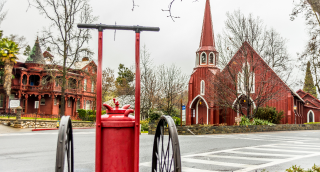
[99,127]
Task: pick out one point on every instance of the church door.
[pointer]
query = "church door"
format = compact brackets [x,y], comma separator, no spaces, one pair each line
[202,112]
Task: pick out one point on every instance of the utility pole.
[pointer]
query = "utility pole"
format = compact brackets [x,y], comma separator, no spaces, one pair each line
[181,113]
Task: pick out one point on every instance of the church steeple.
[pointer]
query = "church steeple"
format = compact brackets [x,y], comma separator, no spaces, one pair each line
[206,53]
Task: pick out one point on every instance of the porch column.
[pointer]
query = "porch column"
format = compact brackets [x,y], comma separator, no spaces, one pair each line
[290,108]
[74,106]
[211,116]
[28,80]
[52,98]
[39,98]
[216,120]
[26,96]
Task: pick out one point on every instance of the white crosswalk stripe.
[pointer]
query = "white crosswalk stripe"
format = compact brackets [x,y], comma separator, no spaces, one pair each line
[245,159]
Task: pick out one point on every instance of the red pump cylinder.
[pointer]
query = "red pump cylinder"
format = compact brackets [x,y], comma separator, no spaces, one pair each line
[117,139]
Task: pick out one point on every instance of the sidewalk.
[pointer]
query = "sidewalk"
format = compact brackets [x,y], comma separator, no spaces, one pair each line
[6,129]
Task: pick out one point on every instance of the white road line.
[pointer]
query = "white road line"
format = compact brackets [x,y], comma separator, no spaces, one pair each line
[221,151]
[278,150]
[292,147]
[229,164]
[184,169]
[276,162]
[244,158]
[260,154]
[264,139]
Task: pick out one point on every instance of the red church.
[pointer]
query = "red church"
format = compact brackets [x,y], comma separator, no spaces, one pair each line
[38,81]
[266,87]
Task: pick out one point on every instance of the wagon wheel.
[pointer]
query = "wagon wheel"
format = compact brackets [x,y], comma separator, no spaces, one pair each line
[65,146]
[166,149]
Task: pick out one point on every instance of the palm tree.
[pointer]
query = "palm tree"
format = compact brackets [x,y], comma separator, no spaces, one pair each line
[8,52]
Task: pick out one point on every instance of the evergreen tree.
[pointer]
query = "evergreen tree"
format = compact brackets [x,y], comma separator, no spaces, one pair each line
[48,49]
[309,86]
[27,51]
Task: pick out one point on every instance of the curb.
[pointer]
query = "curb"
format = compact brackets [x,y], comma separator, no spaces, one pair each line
[43,129]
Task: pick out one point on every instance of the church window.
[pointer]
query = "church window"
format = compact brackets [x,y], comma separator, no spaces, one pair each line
[92,86]
[78,104]
[246,79]
[69,102]
[211,58]
[55,101]
[42,101]
[85,85]
[203,58]
[197,59]
[202,87]
[310,116]
[1,100]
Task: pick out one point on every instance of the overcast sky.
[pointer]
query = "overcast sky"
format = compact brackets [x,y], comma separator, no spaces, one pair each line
[177,41]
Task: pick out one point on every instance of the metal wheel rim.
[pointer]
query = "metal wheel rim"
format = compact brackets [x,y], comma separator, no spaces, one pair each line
[65,146]
[161,161]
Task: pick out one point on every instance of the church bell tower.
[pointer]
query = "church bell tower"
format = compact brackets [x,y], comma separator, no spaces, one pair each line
[207,55]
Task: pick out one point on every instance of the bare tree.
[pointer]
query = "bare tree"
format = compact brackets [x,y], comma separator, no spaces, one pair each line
[246,83]
[149,84]
[63,37]
[3,14]
[312,49]
[108,84]
[172,83]
[266,42]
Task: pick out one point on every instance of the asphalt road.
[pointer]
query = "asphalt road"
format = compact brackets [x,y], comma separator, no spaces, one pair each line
[273,151]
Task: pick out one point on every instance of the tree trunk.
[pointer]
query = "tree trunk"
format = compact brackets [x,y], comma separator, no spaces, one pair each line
[8,66]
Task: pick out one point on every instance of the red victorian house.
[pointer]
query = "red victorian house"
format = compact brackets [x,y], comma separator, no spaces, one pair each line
[209,85]
[38,81]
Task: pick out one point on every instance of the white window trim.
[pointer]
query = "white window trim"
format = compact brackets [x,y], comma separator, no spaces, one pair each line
[202,87]
[213,58]
[201,58]
[310,112]
[92,86]
[85,85]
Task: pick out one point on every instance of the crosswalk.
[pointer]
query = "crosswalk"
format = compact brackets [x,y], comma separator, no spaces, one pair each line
[281,149]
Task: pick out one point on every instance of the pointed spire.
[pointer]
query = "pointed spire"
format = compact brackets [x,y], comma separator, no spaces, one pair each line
[207,37]
[36,55]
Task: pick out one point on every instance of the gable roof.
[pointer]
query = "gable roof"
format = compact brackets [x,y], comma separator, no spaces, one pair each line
[263,61]
[307,94]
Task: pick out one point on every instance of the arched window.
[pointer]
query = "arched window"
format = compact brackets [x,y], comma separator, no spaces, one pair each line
[197,59]
[211,57]
[203,58]
[310,116]
[202,87]
[246,80]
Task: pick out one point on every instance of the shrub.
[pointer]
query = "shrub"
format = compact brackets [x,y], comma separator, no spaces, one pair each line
[294,168]
[270,114]
[144,125]
[155,115]
[176,120]
[254,121]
